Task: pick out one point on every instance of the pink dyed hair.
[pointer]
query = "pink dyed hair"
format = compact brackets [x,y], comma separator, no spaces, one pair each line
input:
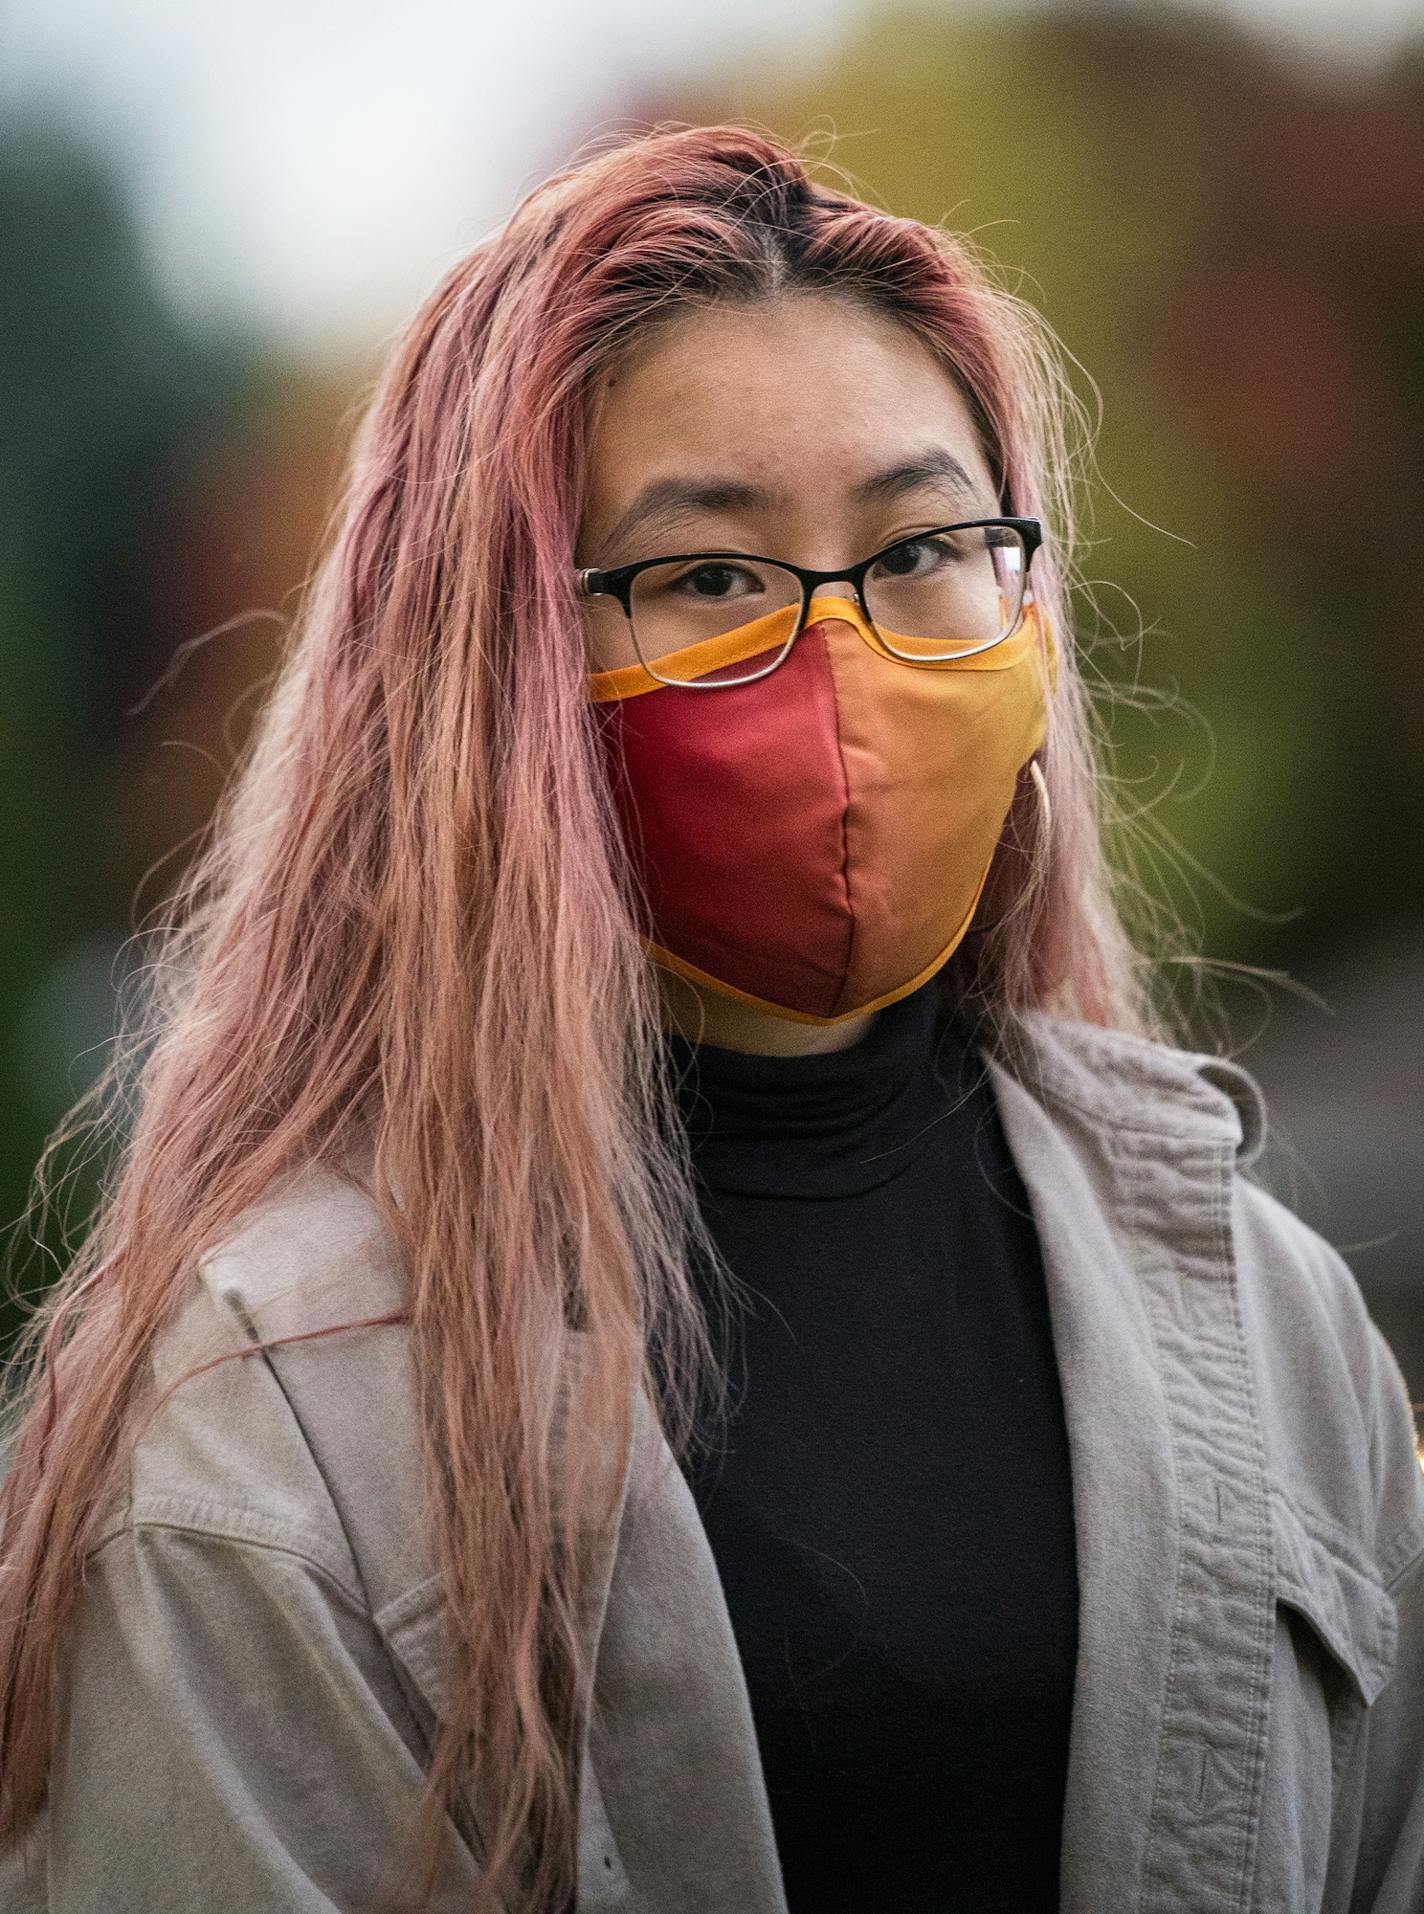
[409,940]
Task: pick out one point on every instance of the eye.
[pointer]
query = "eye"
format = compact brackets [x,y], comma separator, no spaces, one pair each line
[714,581]
[917,557]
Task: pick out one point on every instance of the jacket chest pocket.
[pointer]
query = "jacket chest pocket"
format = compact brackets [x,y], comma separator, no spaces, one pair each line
[1336,1628]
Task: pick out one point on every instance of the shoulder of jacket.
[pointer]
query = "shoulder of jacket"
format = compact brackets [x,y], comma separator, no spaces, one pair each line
[310,1254]
[1313,1325]
[228,1453]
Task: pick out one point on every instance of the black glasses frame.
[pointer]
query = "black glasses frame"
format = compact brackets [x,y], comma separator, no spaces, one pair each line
[617,582]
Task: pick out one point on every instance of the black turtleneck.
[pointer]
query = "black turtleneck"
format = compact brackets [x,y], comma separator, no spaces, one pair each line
[891,1508]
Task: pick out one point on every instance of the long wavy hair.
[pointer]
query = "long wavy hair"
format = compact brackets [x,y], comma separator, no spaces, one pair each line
[410,939]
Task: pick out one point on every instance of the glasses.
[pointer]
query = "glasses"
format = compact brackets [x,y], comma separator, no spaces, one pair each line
[946,593]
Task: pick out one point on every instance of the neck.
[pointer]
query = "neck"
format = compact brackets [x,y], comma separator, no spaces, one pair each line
[703,1016]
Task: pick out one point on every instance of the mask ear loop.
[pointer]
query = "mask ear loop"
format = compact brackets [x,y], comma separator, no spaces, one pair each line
[1046,811]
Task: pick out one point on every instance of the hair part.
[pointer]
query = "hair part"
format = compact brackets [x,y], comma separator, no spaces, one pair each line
[410,941]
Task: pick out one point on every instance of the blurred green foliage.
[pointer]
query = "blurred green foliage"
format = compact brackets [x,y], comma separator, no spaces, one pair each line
[106,395]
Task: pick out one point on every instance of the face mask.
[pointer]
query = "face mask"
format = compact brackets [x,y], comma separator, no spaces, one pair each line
[814,843]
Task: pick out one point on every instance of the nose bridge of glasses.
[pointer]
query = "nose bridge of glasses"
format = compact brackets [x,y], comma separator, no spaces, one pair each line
[827,604]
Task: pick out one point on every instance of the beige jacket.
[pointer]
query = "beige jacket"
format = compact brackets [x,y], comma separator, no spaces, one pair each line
[260,1658]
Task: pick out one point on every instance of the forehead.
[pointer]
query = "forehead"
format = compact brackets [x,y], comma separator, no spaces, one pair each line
[805,394]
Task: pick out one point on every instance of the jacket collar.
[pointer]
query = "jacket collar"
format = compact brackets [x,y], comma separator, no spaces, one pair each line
[1124,1081]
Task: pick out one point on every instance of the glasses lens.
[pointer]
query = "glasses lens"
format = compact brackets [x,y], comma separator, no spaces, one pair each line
[678,608]
[944,592]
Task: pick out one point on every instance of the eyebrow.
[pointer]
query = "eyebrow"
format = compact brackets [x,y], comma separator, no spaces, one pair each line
[668,502]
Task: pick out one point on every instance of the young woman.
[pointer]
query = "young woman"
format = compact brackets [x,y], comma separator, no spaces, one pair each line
[672,1330]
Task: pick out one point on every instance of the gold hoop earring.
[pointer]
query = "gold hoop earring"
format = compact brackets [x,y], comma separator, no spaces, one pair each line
[1036,772]
[1046,812]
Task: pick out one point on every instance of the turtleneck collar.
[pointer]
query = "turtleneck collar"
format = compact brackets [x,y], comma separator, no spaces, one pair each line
[831,1122]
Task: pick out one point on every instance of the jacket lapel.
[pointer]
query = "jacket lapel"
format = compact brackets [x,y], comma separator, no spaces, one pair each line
[1127,1150]
[673,1760]
[1124,1515]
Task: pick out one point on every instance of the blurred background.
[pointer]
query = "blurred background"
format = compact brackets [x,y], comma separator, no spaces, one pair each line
[213,221]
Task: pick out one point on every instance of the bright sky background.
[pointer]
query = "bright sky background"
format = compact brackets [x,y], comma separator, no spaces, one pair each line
[311,166]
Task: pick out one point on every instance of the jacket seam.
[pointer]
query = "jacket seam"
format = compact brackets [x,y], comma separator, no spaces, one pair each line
[1410,1539]
[1257,1699]
[1165,1132]
[1329,1534]
[1174,1642]
[208,1532]
[238,1304]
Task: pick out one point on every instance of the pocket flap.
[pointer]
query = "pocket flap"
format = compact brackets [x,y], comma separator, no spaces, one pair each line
[417,1630]
[1340,1594]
